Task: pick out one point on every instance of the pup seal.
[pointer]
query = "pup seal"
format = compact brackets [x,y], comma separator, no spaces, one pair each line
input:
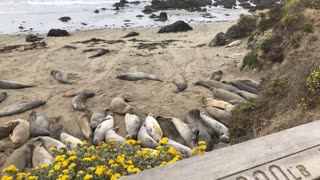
[220,130]
[4,84]
[189,136]
[119,106]
[102,129]
[67,138]
[41,156]
[146,140]
[216,75]
[133,124]
[180,82]
[20,158]
[225,95]
[78,102]
[234,43]
[153,128]
[39,125]
[98,117]
[100,52]
[83,122]
[6,127]
[3,96]
[61,76]
[21,133]
[20,107]
[217,103]
[112,135]
[135,76]
[203,135]
[216,85]
[169,129]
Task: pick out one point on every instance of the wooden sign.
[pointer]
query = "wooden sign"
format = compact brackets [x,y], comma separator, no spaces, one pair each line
[293,154]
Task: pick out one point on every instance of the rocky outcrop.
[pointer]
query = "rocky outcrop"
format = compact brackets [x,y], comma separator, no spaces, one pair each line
[179,4]
[33,38]
[219,40]
[229,4]
[58,33]
[244,27]
[178,26]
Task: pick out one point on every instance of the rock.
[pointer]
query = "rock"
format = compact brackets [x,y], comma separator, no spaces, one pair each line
[244,27]
[122,3]
[229,4]
[163,16]
[246,5]
[33,38]
[65,19]
[131,34]
[148,10]
[135,2]
[58,33]
[178,26]
[179,4]
[219,40]
[139,16]
[153,16]
[96,11]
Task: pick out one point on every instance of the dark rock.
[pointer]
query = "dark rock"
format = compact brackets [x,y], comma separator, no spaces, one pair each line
[163,16]
[139,16]
[33,38]
[244,27]
[178,26]
[96,11]
[21,27]
[122,3]
[179,4]
[148,10]
[85,24]
[246,5]
[103,9]
[219,40]
[65,19]
[153,16]
[131,34]
[58,32]
[229,4]
[135,2]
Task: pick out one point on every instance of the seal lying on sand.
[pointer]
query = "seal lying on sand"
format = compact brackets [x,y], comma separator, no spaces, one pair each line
[180,82]
[83,122]
[6,127]
[225,95]
[39,125]
[146,140]
[135,76]
[243,86]
[217,103]
[4,84]
[119,106]
[219,114]
[102,129]
[217,75]
[169,129]
[153,128]
[133,124]
[247,95]
[67,138]
[189,136]
[78,102]
[41,156]
[216,85]
[20,107]
[97,118]
[234,43]
[220,130]
[112,135]
[21,133]
[100,52]
[49,143]
[61,76]
[203,135]
[3,96]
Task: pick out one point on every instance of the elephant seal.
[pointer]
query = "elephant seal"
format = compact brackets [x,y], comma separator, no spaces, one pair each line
[146,140]
[203,135]
[102,129]
[242,86]
[133,124]
[49,143]
[55,130]
[98,117]
[112,135]
[226,95]
[67,138]
[61,76]
[219,114]
[180,82]
[234,43]
[20,158]
[217,103]
[219,129]
[119,106]
[237,102]
[186,151]
[39,125]
[71,127]
[216,85]
[153,127]
[3,96]
[216,75]
[83,122]
[4,84]
[131,34]
[3,158]
[6,127]
[21,133]
[189,136]
[78,102]
[41,156]
[251,83]
[169,129]
[135,76]
[20,107]
[247,95]
[99,52]
[6,145]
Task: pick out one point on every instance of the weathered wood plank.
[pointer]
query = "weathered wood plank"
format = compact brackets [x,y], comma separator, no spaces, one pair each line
[291,154]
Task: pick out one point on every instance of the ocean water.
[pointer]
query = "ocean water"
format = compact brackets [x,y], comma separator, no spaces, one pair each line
[42,15]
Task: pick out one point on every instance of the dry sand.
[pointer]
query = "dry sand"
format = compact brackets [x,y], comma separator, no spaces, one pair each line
[99,74]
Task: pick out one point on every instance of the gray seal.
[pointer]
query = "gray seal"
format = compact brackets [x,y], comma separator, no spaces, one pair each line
[169,129]
[226,95]
[6,127]
[61,76]
[119,106]
[98,117]
[78,102]
[133,124]
[216,85]
[100,52]
[39,125]
[146,140]
[135,76]
[180,82]
[243,86]
[4,84]
[20,107]
[219,114]
[3,96]
[203,135]
[247,95]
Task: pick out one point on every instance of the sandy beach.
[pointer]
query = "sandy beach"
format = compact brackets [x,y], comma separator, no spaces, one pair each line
[98,75]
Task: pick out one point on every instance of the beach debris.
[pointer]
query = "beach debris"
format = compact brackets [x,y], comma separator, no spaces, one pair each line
[33,38]
[131,34]
[178,26]
[58,33]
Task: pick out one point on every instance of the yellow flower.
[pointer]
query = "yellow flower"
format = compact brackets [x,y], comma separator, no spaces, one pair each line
[100,170]
[94,157]
[164,141]
[59,158]
[115,176]
[44,166]
[201,143]
[163,163]
[109,172]
[56,167]
[32,178]
[80,172]
[130,168]
[10,168]
[36,168]
[87,159]
[51,171]
[111,161]
[136,170]
[72,158]
[129,162]
[53,149]
[73,165]
[65,177]
[65,163]
[7,178]
[21,176]
[88,177]
[172,150]
[72,153]
[92,168]
[66,171]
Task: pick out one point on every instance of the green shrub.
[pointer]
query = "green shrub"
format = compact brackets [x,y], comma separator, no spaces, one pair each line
[251,61]
[308,28]
[266,45]
[278,85]
[288,20]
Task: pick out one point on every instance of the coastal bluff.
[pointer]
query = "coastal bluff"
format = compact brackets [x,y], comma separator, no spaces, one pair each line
[291,154]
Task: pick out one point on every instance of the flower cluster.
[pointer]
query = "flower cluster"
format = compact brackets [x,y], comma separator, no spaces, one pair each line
[313,81]
[104,161]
